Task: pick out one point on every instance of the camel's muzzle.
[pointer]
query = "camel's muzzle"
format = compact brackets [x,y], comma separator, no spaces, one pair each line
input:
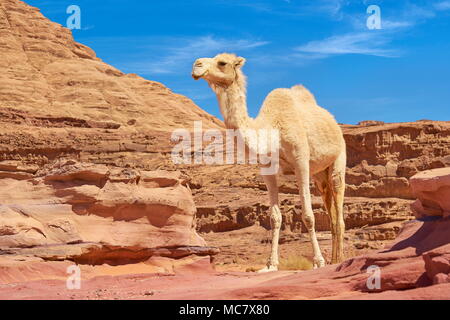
[200,68]
[197,74]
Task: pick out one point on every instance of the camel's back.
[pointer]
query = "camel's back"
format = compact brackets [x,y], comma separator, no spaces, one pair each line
[296,113]
[314,118]
[297,107]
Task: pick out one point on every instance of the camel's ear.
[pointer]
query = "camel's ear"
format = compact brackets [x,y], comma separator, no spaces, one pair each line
[239,62]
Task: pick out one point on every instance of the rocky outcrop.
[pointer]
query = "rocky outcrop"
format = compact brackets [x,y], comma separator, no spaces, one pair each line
[45,72]
[85,170]
[412,261]
[382,158]
[368,123]
[432,188]
[415,266]
[93,214]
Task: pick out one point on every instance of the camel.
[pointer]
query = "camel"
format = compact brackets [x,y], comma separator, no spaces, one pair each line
[311,145]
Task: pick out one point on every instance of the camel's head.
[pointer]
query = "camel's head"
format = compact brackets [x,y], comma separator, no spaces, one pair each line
[222,70]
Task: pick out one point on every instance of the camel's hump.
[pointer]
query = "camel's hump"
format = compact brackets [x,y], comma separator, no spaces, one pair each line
[304,94]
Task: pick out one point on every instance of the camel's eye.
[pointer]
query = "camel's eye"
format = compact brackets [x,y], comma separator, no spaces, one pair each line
[222,63]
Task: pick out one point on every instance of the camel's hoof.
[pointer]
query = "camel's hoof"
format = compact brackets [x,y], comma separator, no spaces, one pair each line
[318,263]
[268,269]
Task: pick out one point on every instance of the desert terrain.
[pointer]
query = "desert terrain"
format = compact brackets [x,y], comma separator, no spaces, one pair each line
[86,179]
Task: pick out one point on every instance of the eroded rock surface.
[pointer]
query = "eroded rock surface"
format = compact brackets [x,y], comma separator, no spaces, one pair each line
[94,214]
[47,73]
[432,188]
[415,266]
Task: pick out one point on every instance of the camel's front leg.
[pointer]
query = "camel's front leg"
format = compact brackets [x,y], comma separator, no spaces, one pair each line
[275,221]
[302,173]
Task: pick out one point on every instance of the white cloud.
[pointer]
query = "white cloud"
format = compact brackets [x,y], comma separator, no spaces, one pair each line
[331,7]
[334,9]
[442,6]
[171,58]
[415,12]
[365,43]
[408,16]
[412,15]
[392,24]
[291,8]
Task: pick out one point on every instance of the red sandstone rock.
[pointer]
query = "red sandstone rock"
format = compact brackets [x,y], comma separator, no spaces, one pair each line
[437,264]
[93,214]
[432,188]
[404,275]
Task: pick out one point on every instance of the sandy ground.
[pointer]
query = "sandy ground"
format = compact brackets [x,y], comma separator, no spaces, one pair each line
[248,249]
[230,276]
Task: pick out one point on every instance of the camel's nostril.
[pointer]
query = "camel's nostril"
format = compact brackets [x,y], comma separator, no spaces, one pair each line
[198,64]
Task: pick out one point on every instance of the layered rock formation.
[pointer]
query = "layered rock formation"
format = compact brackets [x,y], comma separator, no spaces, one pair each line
[72,128]
[432,188]
[382,158]
[92,214]
[416,266]
[45,72]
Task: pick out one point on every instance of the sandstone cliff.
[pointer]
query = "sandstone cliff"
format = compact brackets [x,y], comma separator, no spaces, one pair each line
[70,125]
[45,72]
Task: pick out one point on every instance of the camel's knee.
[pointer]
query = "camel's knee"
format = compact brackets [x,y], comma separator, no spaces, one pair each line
[276,217]
[337,181]
[308,220]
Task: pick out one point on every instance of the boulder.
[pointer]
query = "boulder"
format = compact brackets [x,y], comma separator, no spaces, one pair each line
[92,214]
[432,189]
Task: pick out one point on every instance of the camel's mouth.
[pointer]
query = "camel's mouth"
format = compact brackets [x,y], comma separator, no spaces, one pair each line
[197,75]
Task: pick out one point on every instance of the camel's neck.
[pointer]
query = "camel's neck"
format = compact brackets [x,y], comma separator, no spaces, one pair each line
[233,106]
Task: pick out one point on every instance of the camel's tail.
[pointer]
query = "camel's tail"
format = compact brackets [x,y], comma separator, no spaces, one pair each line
[304,94]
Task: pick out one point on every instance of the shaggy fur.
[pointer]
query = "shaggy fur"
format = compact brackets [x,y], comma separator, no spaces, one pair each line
[311,144]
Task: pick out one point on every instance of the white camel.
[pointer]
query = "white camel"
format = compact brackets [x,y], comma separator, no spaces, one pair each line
[311,144]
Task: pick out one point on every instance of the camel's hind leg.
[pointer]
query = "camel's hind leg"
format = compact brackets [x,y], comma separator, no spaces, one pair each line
[275,221]
[331,183]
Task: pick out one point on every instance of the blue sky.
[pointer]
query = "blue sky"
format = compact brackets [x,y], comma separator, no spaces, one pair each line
[398,73]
